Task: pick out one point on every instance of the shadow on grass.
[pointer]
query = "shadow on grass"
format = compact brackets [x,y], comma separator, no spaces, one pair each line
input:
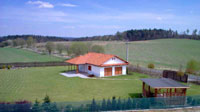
[135,95]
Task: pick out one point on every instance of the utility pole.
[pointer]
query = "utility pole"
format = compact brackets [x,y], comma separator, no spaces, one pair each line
[127,51]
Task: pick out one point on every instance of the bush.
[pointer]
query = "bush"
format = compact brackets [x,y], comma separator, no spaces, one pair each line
[3,67]
[192,67]
[9,67]
[151,66]
[180,73]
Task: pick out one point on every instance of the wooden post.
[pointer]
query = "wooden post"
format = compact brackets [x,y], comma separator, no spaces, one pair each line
[184,91]
[143,84]
[170,92]
[155,92]
[77,71]
[149,91]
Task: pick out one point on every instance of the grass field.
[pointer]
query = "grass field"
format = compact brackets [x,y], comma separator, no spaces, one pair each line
[20,55]
[32,83]
[165,53]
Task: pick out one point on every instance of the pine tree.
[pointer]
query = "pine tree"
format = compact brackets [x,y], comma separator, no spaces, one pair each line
[119,104]
[93,106]
[103,105]
[114,103]
[36,106]
[128,104]
[109,105]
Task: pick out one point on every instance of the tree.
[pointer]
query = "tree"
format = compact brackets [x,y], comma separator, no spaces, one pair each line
[119,104]
[50,47]
[192,67]
[20,42]
[60,47]
[109,105]
[46,103]
[114,103]
[36,106]
[103,105]
[93,106]
[97,49]
[78,48]
[30,42]
[188,31]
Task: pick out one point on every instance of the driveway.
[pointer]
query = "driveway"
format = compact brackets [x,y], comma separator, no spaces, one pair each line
[74,74]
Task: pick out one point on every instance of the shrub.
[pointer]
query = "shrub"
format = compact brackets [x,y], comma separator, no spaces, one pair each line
[192,66]
[180,73]
[9,67]
[151,66]
[4,67]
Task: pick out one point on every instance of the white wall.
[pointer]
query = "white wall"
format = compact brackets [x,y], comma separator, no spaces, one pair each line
[99,71]
[114,60]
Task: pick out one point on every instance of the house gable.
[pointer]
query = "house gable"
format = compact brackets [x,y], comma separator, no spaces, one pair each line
[114,60]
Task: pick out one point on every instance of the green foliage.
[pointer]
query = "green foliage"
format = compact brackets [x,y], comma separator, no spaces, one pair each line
[9,67]
[103,105]
[192,66]
[36,107]
[30,41]
[50,47]
[46,99]
[78,48]
[4,67]
[151,66]
[60,47]
[97,49]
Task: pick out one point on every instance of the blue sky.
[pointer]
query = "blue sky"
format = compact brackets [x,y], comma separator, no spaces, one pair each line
[75,18]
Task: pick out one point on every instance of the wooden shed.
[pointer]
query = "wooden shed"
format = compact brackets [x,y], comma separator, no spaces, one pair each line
[162,87]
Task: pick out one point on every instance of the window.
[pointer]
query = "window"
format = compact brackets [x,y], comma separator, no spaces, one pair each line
[113,58]
[89,68]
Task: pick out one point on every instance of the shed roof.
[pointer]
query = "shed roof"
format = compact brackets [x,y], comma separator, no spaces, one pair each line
[95,59]
[163,83]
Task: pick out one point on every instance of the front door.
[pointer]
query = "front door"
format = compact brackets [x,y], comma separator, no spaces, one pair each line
[108,71]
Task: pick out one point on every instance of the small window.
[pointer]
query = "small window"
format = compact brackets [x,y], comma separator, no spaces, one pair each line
[89,68]
[113,58]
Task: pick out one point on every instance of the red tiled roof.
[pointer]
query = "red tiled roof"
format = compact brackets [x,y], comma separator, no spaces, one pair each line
[95,59]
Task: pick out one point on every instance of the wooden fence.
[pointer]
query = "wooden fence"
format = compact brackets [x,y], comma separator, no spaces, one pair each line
[173,75]
[148,71]
[35,64]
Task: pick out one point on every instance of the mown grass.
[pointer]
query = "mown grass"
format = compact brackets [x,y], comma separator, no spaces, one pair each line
[32,83]
[8,55]
[167,53]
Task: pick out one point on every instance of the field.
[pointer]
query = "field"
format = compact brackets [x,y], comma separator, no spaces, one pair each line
[20,55]
[32,83]
[164,53]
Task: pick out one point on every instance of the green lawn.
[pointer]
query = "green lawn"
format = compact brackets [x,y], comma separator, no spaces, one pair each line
[32,83]
[8,55]
[167,53]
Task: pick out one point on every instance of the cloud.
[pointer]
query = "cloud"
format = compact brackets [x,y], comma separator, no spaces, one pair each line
[68,5]
[41,4]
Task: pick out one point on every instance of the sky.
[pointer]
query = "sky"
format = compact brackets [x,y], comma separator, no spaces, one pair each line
[80,18]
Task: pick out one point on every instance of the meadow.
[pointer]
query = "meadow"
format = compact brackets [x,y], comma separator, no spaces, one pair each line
[31,83]
[164,53]
[8,55]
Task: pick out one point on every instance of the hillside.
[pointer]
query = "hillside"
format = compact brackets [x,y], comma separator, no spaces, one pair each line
[8,55]
[167,53]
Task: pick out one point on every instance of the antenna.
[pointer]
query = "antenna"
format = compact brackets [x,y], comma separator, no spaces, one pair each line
[127,51]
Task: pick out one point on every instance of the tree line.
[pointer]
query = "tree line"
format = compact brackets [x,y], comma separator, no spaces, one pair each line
[145,34]
[38,38]
[114,104]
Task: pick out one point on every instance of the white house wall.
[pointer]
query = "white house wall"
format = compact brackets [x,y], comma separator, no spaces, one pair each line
[99,71]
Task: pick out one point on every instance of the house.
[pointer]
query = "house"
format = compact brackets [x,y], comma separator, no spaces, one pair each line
[162,87]
[99,64]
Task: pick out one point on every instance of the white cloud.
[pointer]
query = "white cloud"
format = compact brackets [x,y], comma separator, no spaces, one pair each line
[68,5]
[41,4]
